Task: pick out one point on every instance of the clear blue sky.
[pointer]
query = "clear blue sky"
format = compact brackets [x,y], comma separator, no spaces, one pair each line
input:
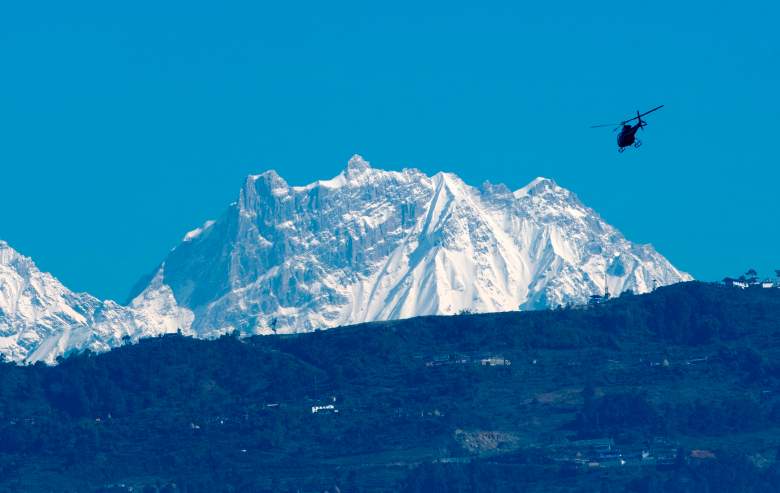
[124,126]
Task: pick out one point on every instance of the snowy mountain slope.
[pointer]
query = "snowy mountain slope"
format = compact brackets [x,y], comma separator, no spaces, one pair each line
[41,319]
[375,245]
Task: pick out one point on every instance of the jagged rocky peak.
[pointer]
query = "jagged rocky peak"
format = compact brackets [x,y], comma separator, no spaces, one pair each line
[9,256]
[495,188]
[538,186]
[357,165]
[371,244]
[271,177]
[264,184]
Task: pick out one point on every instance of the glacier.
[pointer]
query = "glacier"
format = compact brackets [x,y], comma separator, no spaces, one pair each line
[366,245]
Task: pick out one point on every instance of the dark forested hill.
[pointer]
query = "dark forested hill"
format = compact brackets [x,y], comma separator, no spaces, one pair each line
[671,391]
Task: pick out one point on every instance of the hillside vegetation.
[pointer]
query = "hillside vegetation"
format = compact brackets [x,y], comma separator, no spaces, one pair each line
[677,390]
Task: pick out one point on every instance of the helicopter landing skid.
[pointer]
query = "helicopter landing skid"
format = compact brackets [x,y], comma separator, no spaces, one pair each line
[621,149]
[638,143]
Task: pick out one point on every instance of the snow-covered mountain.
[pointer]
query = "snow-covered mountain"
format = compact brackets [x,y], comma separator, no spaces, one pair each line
[365,245]
[376,245]
[40,319]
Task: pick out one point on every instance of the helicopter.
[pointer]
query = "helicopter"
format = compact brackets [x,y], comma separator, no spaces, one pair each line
[627,135]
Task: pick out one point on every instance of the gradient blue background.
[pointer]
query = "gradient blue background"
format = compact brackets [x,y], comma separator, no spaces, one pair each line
[123,127]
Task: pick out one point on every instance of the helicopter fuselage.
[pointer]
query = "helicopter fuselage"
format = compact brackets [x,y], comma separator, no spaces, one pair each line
[627,135]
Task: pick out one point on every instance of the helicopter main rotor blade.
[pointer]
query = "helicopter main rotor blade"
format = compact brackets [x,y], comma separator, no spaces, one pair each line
[643,114]
[637,117]
[650,111]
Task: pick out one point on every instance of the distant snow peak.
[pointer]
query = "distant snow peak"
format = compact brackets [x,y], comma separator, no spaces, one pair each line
[536,185]
[40,319]
[357,164]
[371,244]
[268,180]
[365,245]
[499,189]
